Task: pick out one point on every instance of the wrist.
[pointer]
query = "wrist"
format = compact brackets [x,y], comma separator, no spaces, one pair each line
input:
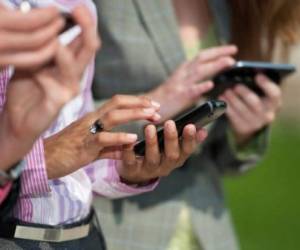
[12,148]
[52,158]
[242,139]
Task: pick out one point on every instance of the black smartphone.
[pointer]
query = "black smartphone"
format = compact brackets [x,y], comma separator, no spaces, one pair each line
[244,72]
[199,116]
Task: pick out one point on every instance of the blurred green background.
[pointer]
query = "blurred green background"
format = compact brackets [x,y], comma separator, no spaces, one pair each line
[265,203]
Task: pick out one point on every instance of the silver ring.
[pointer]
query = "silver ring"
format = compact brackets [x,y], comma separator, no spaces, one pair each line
[97,127]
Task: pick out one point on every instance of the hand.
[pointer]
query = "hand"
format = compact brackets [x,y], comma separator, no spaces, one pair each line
[28,40]
[75,147]
[247,112]
[35,98]
[140,170]
[184,84]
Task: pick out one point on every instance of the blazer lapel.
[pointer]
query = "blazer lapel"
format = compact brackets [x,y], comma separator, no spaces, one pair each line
[162,29]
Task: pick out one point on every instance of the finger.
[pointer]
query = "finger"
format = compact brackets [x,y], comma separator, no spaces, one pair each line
[198,90]
[122,116]
[18,41]
[209,69]
[107,139]
[252,100]
[17,21]
[216,52]
[238,123]
[152,154]
[128,102]
[90,40]
[189,142]
[67,74]
[201,135]
[237,104]
[50,88]
[243,123]
[75,45]
[129,159]
[172,149]
[32,59]
[114,153]
[271,90]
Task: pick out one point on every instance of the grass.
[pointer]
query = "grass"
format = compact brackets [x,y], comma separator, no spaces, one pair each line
[265,203]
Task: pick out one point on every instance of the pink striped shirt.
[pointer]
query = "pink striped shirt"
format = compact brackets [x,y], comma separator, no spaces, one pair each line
[68,199]
[4,76]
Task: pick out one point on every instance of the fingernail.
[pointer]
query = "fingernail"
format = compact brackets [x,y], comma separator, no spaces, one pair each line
[156,117]
[260,77]
[155,104]
[149,111]
[132,137]
[151,131]
[230,61]
[192,131]
[170,124]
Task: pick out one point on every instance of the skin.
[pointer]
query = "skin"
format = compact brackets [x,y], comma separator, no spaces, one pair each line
[189,82]
[140,170]
[28,40]
[39,95]
[75,147]
[247,112]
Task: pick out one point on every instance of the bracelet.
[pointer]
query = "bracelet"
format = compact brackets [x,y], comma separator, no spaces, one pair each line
[12,174]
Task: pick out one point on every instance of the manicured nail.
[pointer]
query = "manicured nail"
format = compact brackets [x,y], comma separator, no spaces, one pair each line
[149,111]
[230,61]
[170,124]
[155,104]
[132,137]
[150,131]
[260,78]
[192,131]
[156,117]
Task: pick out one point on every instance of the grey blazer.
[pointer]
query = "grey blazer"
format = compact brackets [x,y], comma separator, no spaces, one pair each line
[141,48]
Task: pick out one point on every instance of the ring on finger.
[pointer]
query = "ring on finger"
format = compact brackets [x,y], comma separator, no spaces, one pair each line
[96,127]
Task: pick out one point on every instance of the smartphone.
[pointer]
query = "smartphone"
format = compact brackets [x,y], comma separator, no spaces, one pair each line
[199,116]
[244,72]
[69,22]
[70,31]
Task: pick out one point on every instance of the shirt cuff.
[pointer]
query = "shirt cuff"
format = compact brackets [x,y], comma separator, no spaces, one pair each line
[112,186]
[34,179]
[253,150]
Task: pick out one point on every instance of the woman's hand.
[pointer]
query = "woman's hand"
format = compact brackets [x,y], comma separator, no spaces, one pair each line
[28,40]
[247,112]
[140,170]
[75,147]
[189,82]
[34,99]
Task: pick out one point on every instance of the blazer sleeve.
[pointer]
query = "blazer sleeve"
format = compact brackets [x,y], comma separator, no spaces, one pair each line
[230,159]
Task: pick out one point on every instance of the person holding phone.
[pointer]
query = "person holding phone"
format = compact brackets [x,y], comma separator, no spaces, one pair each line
[160,48]
[78,153]
[26,50]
